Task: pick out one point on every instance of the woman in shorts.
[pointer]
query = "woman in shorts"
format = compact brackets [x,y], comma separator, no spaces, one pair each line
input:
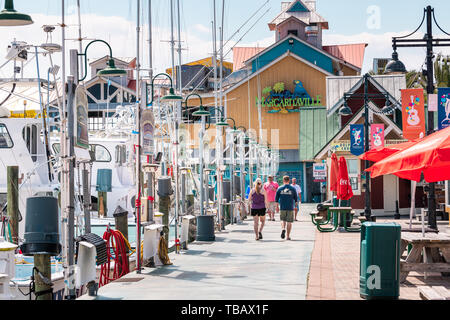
[258,200]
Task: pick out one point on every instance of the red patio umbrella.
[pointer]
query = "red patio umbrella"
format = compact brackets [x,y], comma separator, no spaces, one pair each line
[381,153]
[344,191]
[429,156]
[334,173]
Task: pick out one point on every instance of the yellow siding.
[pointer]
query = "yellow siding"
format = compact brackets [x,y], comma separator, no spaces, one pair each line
[286,70]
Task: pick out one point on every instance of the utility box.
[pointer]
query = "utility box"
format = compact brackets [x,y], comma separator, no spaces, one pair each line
[379,276]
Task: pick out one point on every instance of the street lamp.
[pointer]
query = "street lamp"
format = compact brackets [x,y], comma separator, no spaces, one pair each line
[110,71]
[205,223]
[10,17]
[395,66]
[346,111]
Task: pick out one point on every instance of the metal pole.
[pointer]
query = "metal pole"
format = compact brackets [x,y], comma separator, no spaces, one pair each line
[80,39]
[430,89]
[63,140]
[150,40]
[367,210]
[71,191]
[139,96]
[86,199]
[202,187]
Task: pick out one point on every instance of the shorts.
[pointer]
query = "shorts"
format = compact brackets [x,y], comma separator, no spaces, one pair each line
[287,215]
[272,207]
[259,212]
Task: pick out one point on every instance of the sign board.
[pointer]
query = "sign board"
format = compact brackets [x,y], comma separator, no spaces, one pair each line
[444,108]
[81,118]
[344,145]
[413,113]
[319,172]
[148,127]
[280,100]
[357,139]
[377,133]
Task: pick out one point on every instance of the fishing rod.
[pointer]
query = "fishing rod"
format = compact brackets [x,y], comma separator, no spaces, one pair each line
[235,33]
[231,49]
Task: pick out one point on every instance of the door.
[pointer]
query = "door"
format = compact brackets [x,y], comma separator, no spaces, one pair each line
[390,186]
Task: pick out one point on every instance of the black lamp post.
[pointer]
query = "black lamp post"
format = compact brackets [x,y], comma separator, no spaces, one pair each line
[346,111]
[395,66]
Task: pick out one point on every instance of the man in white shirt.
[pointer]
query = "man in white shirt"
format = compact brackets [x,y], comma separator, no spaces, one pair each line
[299,195]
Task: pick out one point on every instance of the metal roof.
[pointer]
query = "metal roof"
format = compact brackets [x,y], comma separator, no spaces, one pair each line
[338,85]
[352,53]
[307,17]
[242,54]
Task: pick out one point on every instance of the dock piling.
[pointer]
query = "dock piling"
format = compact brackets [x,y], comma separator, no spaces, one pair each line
[42,277]
[13,202]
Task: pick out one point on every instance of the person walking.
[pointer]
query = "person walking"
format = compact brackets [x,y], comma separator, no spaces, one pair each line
[299,196]
[271,188]
[258,204]
[287,197]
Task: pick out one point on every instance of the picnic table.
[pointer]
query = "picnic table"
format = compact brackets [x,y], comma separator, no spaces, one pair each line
[339,214]
[435,259]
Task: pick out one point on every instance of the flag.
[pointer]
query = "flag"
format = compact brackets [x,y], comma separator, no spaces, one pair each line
[377,135]
[413,113]
[443,108]
[357,139]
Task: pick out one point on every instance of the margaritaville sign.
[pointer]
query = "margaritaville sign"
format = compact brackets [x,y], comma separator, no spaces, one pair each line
[279,100]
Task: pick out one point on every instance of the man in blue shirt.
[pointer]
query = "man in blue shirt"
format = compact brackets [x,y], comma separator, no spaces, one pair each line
[287,197]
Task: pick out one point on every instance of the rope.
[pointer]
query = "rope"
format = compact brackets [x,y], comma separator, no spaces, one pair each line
[163,251]
[116,246]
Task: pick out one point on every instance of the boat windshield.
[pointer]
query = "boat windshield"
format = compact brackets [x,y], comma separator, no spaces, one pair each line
[5,138]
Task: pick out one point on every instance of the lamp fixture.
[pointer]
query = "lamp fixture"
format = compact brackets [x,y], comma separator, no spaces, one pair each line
[10,17]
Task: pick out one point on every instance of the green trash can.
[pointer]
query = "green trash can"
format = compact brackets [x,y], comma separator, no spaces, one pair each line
[379,276]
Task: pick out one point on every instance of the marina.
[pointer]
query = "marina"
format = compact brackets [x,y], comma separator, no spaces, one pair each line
[162,169]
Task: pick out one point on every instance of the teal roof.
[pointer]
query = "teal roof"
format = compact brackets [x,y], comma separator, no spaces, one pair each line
[298,7]
[316,130]
[299,48]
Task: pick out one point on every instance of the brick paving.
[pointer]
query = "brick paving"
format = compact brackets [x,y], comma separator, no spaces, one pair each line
[334,270]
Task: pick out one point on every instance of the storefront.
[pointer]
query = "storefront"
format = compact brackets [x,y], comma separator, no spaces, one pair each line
[279,93]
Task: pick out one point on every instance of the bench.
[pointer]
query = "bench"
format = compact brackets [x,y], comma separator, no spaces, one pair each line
[434,293]
[316,221]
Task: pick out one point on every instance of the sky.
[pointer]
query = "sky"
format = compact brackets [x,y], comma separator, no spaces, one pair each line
[351,21]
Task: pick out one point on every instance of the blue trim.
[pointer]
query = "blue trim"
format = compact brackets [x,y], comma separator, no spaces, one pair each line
[298,48]
[298,7]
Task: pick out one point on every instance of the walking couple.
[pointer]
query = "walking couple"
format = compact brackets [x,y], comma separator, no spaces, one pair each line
[286,196]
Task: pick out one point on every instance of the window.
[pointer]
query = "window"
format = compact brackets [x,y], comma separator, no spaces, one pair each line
[30,135]
[56,148]
[294,32]
[121,154]
[101,153]
[5,138]
[353,174]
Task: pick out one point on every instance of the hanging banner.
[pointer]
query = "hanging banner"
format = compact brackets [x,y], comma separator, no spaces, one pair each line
[377,134]
[413,113]
[432,102]
[81,118]
[357,139]
[443,108]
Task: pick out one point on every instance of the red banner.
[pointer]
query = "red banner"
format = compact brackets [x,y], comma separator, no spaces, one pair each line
[377,133]
[413,113]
